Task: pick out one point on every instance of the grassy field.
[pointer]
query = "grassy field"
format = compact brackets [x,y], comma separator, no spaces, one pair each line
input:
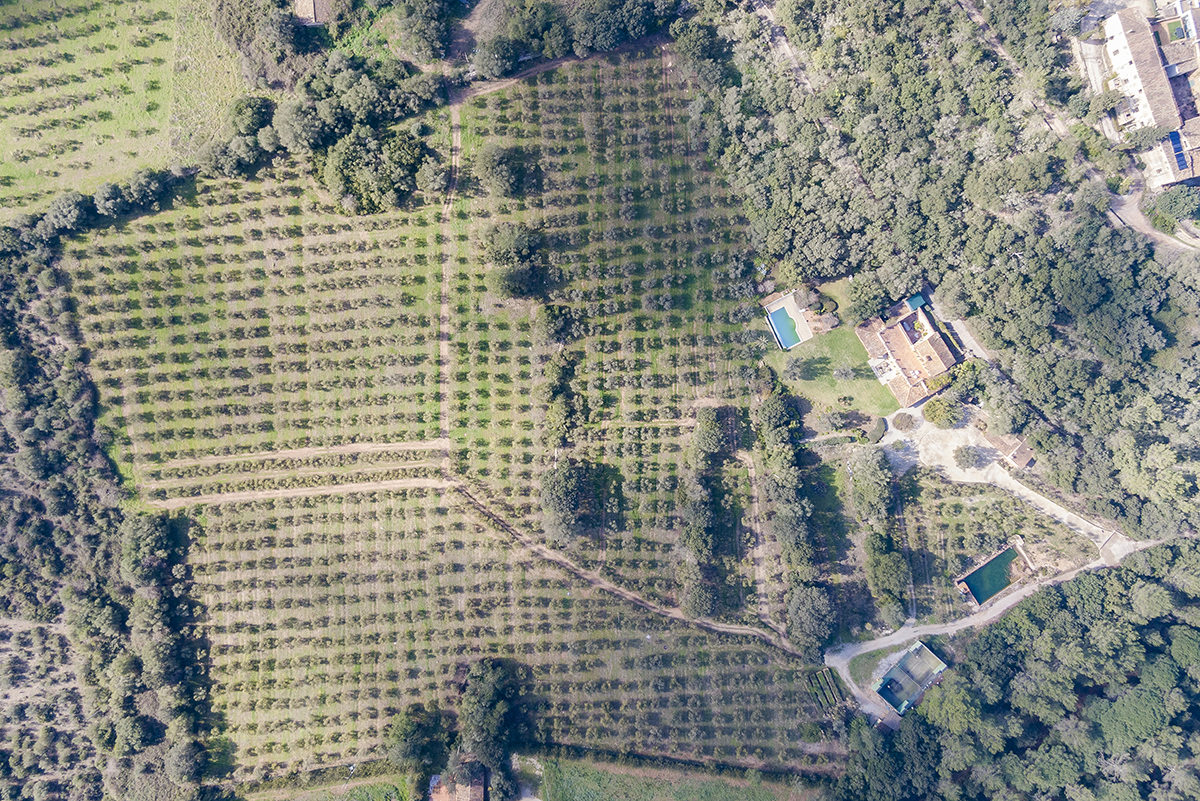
[90,92]
[567,780]
[817,358]
[206,80]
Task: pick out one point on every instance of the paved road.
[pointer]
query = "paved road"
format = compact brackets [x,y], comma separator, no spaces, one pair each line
[839,656]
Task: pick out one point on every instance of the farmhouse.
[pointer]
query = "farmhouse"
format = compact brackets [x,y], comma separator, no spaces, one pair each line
[313,12]
[905,351]
[1153,64]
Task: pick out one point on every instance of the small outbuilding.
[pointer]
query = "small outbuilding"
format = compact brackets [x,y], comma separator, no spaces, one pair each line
[313,12]
[905,684]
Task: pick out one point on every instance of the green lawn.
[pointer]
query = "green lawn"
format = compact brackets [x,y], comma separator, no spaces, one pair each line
[823,354]
[390,790]
[581,781]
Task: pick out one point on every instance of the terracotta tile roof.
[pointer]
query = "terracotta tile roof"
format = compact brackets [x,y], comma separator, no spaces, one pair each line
[1143,51]
[907,394]
[938,352]
[913,350]
[868,335]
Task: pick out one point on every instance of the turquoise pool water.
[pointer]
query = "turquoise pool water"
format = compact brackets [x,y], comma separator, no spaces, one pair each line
[992,577]
[784,327]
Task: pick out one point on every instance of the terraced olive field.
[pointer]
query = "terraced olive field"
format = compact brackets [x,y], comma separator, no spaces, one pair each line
[228,325]
[329,614]
[650,272]
[273,370]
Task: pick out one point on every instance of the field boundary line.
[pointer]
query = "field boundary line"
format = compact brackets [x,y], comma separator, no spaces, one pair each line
[440,444]
[599,582]
[365,470]
[301,492]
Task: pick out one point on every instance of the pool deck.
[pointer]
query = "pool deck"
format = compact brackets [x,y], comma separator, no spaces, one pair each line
[798,315]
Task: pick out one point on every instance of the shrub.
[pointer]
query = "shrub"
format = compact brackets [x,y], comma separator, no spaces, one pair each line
[562,496]
[943,413]
[969,457]
[877,432]
[904,422]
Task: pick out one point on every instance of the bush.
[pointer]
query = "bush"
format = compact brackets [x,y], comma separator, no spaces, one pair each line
[877,432]
[369,175]
[969,457]
[699,600]
[562,496]
[499,169]
[904,422]
[943,413]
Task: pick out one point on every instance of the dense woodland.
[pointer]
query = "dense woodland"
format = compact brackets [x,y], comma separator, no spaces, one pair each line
[70,551]
[1085,691]
[913,165]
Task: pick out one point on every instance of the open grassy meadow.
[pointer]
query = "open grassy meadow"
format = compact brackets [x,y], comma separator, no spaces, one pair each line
[571,780]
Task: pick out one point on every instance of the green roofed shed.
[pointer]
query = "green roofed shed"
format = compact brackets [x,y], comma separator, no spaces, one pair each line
[905,684]
[915,302]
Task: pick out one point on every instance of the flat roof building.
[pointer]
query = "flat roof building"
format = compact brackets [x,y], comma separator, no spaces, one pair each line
[313,12]
[905,684]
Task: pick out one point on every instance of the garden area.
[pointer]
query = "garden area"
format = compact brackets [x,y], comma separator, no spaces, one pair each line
[831,369]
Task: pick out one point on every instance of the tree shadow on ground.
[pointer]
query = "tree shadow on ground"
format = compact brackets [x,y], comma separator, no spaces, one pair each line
[809,369]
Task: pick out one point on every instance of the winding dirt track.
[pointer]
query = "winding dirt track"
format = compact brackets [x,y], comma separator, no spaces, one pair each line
[599,582]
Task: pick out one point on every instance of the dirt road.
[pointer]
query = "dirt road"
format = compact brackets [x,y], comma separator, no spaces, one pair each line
[308,453]
[599,582]
[759,555]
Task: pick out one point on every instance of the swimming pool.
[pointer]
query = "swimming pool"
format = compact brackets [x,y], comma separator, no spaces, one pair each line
[784,327]
[992,577]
